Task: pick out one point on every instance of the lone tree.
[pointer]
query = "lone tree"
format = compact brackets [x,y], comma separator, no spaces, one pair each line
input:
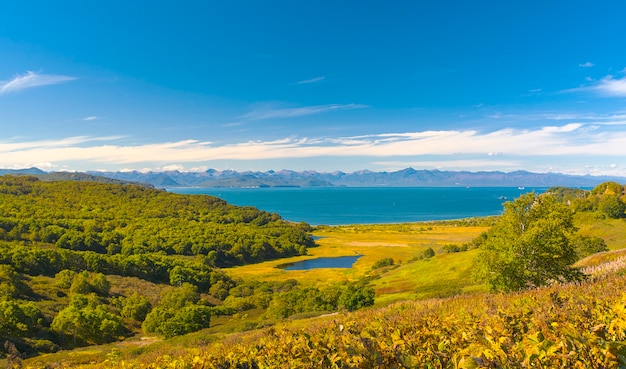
[531,245]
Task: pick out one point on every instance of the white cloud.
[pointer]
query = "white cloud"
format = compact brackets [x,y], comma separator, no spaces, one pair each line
[7,147]
[32,79]
[90,118]
[312,80]
[270,111]
[586,65]
[173,167]
[612,87]
[453,149]
[607,86]
[451,164]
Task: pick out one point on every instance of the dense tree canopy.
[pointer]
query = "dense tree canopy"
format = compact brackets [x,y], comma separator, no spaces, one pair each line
[80,232]
[530,245]
[130,219]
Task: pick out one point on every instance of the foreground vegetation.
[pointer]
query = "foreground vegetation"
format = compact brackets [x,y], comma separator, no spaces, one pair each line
[87,297]
[581,325]
[571,326]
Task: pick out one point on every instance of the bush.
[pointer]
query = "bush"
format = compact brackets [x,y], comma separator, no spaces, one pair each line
[451,248]
[428,253]
[587,245]
[180,311]
[11,284]
[530,246]
[356,296]
[18,319]
[85,283]
[382,263]
[169,323]
[612,206]
[64,278]
[135,307]
[87,320]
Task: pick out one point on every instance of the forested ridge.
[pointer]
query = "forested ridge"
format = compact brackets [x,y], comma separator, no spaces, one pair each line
[61,241]
[129,220]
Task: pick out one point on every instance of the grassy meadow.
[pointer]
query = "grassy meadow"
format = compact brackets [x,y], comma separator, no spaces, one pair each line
[443,275]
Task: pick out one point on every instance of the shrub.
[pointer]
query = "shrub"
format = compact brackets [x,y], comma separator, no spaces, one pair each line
[428,253]
[356,296]
[382,263]
[451,248]
[135,307]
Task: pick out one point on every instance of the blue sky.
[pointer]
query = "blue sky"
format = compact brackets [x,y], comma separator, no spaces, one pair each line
[313,85]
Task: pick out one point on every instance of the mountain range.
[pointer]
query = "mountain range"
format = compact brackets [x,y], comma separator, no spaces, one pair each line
[408,177]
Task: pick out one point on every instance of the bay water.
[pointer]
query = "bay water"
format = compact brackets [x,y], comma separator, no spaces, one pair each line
[369,205]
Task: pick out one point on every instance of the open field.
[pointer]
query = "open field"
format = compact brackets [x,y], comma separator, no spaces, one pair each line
[402,242]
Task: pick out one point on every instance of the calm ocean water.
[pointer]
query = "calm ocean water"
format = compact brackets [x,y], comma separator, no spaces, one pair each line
[369,205]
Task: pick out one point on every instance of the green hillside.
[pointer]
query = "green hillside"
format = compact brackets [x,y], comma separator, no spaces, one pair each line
[62,242]
[102,275]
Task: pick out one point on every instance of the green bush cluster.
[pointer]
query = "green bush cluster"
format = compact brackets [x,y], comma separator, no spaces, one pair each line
[351,296]
[608,199]
[180,311]
[86,320]
[384,262]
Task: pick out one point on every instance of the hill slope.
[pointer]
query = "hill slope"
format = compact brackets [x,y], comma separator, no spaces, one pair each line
[62,243]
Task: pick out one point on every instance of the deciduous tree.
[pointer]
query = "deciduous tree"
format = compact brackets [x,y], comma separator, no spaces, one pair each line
[529,246]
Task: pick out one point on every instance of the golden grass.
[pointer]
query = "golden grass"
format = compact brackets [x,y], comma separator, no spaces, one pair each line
[402,242]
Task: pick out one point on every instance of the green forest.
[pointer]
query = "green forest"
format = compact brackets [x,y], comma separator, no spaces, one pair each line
[85,263]
[60,241]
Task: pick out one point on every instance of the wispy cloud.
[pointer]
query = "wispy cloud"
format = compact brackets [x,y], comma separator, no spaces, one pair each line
[90,118]
[453,164]
[461,146]
[309,81]
[607,86]
[602,119]
[270,111]
[8,147]
[612,87]
[32,79]
[586,65]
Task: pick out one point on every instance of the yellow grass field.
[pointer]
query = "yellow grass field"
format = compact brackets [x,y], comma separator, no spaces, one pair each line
[402,242]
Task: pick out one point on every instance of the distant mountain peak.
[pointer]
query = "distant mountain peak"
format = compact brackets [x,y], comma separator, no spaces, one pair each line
[407,177]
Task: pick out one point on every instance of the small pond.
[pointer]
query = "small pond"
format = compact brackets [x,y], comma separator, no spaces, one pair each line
[337,262]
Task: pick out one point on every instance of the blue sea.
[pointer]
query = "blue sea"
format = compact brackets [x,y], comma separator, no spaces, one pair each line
[369,205]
